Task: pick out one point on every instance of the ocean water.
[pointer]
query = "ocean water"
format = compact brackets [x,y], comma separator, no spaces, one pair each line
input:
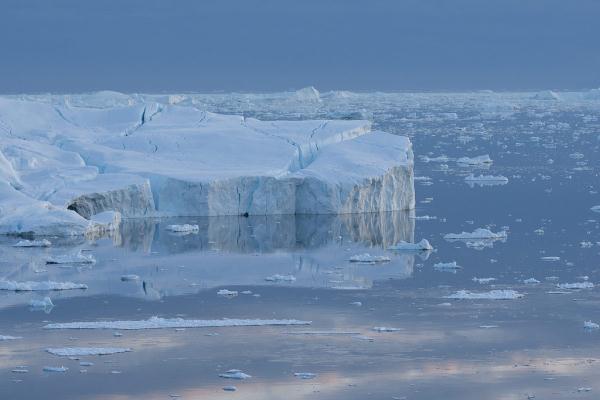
[297,267]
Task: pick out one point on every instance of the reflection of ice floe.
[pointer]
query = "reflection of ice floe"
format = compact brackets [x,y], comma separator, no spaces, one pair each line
[171,323]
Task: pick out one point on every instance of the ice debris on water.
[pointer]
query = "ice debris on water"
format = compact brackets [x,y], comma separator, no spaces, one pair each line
[366,258]
[39,286]
[483,280]
[185,228]
[449,266]
[235,374]
[386,329]
[170,323]
[33,243]
[280,278]
[86,351]
[550,258]
[596,208]
[479,233]
[590,325]
[576,285]
[55,369]
[491,295]
[305,375]
[531,281]
[486,179]
[77,258]
[227,293]
[5,338]
[423,245]
[43,304]
[229,388]
[478,160]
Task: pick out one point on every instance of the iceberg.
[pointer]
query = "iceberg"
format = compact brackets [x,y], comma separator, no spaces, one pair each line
[64,160]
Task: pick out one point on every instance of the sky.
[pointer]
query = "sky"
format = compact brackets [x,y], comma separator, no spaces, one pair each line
[273,45]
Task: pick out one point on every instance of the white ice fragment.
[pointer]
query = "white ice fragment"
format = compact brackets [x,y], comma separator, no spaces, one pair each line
[33,243]
[305,375]
[576,285]
[423,245]
[39,286]
[491,295]
[185,228]
[235,374]
[386,329]
[586,245]
[366,258]
[77,258]
[584,389]
[531,281]
[550,258]
[483,280]
[356,303]
[596,208]
[171,323]
[486,179]
[280,278]
[479,160]
[4,338]
[44,304]
[447,266]
[477,234]
[86,351]
[227,293]
[20,371]
[590,325]
[55,369]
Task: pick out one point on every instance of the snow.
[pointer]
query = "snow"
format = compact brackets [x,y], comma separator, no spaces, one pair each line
[576,285]
[491,295]
[479,233]
[235,374]
[366,258]
[423,245]
[86,351]
[65,159]
[33,243]
[170,323]
[39,286]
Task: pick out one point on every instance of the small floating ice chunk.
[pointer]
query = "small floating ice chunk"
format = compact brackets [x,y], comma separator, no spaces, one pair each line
[479,233]
[586,245]
[491,295]
[185,228]
[483,280]
[39,286]
[171,323]
[531,281]
[20,370]
[280,278]
[229,388]
[305,375]
[86,351]
[584,389]
[43,304]
[235,374]
[33,243]
[596,209]
[366,258]
[128,278]
[356,303]
[5,338]
[550,258]
[227,293]
[77,258]
[576,285]
[386,329]
[590,325]
[55,369]
[423,245]
[478,160]
[486,179]
[453,266]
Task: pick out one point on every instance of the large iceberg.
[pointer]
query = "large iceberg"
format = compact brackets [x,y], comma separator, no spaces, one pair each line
[65,159]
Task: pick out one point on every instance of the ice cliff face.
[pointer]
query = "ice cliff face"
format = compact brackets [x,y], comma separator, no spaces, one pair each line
[64,160]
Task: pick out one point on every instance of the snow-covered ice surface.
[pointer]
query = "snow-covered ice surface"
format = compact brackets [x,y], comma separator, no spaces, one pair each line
[544,343]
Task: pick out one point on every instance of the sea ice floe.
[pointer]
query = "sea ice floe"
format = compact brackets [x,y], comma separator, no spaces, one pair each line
[43,304]
[305,375]
[39,286]
[77,258]
[55,369]
[227,293]
[366,258]
[550,258]
[185,228]
[386,329]
[235,374]
[486,180]
[478,160]
[477,234]
[449,266]
[86,351]
[596,209]
[171,323]
[33,243]
[505,294]
[576,285]
[590,325]
[423,245]
[6,337]
[280,278]
[531,281]
[484,280]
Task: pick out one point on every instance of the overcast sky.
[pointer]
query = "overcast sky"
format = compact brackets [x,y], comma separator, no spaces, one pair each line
[266,45]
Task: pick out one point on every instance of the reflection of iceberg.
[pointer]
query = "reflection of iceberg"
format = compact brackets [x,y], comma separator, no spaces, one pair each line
[229,252]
